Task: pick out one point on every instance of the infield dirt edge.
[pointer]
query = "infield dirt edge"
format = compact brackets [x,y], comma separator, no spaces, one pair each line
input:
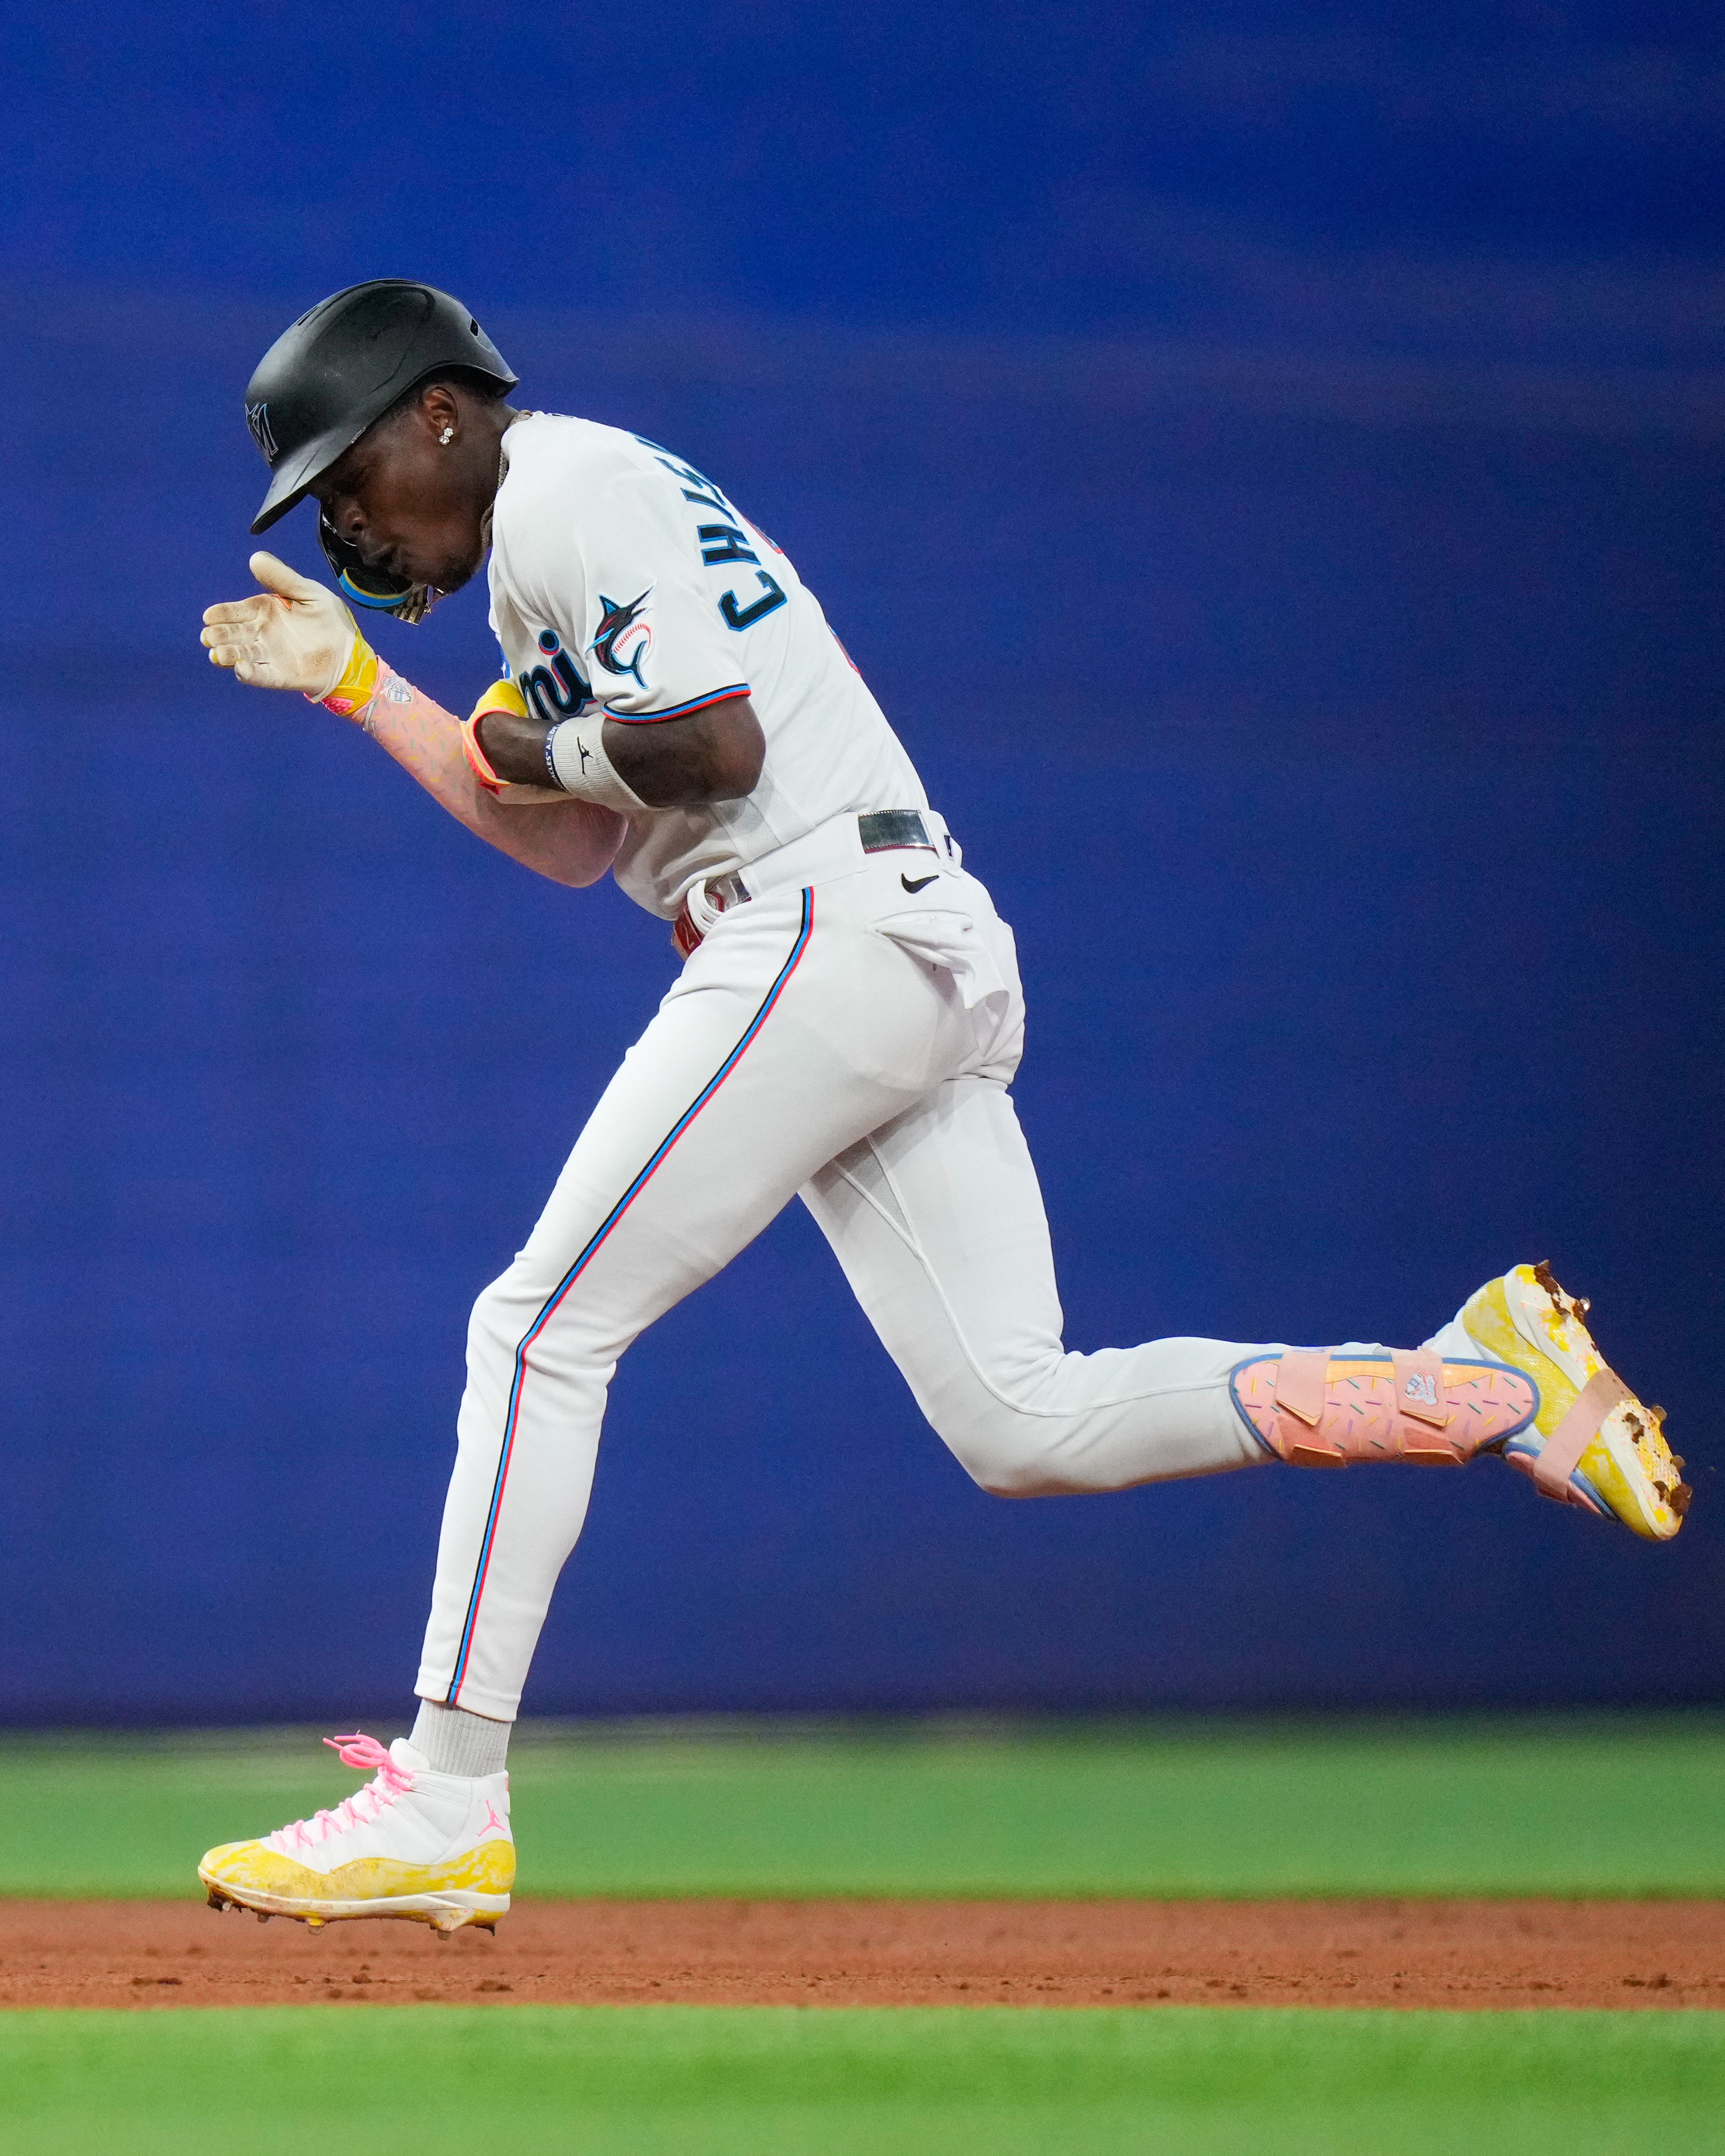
[1477,1954]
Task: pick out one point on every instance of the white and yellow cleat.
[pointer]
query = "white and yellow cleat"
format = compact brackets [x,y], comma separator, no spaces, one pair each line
[1591,1442]
[434,1848]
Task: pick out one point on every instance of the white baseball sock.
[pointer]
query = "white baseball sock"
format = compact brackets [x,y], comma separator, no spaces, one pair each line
[454,1741]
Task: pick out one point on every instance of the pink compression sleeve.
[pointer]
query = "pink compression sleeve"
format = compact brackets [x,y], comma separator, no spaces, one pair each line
[571,842]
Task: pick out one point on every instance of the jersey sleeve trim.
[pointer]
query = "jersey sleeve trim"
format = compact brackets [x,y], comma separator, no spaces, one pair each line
[679,710]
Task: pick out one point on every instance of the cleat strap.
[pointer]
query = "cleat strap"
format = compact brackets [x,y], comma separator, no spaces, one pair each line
[1560,1456]
[1421,1389]
[1423,1408]
[1300,1378]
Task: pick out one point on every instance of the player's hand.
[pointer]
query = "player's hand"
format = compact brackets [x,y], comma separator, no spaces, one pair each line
[294,634]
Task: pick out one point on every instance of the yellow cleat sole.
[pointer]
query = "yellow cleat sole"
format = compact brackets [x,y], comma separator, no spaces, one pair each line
[470,1889]
[445,1912]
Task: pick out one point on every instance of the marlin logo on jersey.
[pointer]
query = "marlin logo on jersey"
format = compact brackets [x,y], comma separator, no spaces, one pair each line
[621,624]
[558,691]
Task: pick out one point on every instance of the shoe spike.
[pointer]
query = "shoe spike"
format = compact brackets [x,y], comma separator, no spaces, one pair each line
[263,1915]
[314,1923]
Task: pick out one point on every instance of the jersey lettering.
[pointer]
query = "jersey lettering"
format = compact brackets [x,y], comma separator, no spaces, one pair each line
[746,617]
[721,543]
[708,492]
[556,691]
[724,542]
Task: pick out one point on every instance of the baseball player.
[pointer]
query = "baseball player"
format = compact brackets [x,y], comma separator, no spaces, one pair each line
[674,711]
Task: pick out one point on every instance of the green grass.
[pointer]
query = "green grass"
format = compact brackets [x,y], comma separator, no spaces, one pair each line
[1635,1805]
[781,2082]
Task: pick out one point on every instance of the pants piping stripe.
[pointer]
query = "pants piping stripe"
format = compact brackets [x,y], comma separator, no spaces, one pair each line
[512,1420]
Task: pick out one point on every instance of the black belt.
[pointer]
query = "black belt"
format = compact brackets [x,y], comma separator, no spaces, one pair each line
[884,830]
[881,831]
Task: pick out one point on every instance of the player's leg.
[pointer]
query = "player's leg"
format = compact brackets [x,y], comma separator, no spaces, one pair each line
[793,1028]
[937,1221]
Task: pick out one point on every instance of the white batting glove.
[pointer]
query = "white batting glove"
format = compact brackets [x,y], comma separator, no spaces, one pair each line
[294,634]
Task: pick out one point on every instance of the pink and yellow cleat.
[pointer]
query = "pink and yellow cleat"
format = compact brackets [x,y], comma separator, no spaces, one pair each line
[1536,1391]
[434,1848]
[1592,1442]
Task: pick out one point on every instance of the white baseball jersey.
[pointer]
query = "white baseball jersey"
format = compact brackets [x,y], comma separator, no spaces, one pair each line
[622,576]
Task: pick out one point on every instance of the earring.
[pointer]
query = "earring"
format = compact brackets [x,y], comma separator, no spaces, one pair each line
[446,436]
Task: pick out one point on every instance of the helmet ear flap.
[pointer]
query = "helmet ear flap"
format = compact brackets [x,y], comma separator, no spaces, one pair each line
[374,589]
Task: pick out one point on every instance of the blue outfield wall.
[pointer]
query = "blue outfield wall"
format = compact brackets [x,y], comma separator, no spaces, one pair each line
[1341,735]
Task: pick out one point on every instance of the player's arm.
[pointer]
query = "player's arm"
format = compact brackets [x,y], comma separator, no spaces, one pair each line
[711,755]
[296,635]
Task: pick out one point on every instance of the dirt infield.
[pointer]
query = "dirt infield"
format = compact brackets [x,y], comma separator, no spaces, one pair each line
[1484,1954]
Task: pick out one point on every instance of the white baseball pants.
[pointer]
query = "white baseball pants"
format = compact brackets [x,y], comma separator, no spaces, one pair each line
[851,1039]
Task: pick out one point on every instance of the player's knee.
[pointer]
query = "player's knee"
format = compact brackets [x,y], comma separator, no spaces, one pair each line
[503,1311]
[1033,1477]
[1013,1456]
[487,1314]
[1008,1479]
[507,1314]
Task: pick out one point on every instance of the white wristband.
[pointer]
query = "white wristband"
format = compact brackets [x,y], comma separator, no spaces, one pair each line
[575,750]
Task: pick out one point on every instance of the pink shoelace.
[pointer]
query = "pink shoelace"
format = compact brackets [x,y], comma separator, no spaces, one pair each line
[363,1807]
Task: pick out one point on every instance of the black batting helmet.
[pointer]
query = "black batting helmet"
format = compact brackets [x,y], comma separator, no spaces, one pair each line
[323,381]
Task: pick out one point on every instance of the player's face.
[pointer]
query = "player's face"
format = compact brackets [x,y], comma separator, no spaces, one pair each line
[407,504]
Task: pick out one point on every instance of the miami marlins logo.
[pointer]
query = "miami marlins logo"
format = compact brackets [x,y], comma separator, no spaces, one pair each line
[621,624]
[257,418]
